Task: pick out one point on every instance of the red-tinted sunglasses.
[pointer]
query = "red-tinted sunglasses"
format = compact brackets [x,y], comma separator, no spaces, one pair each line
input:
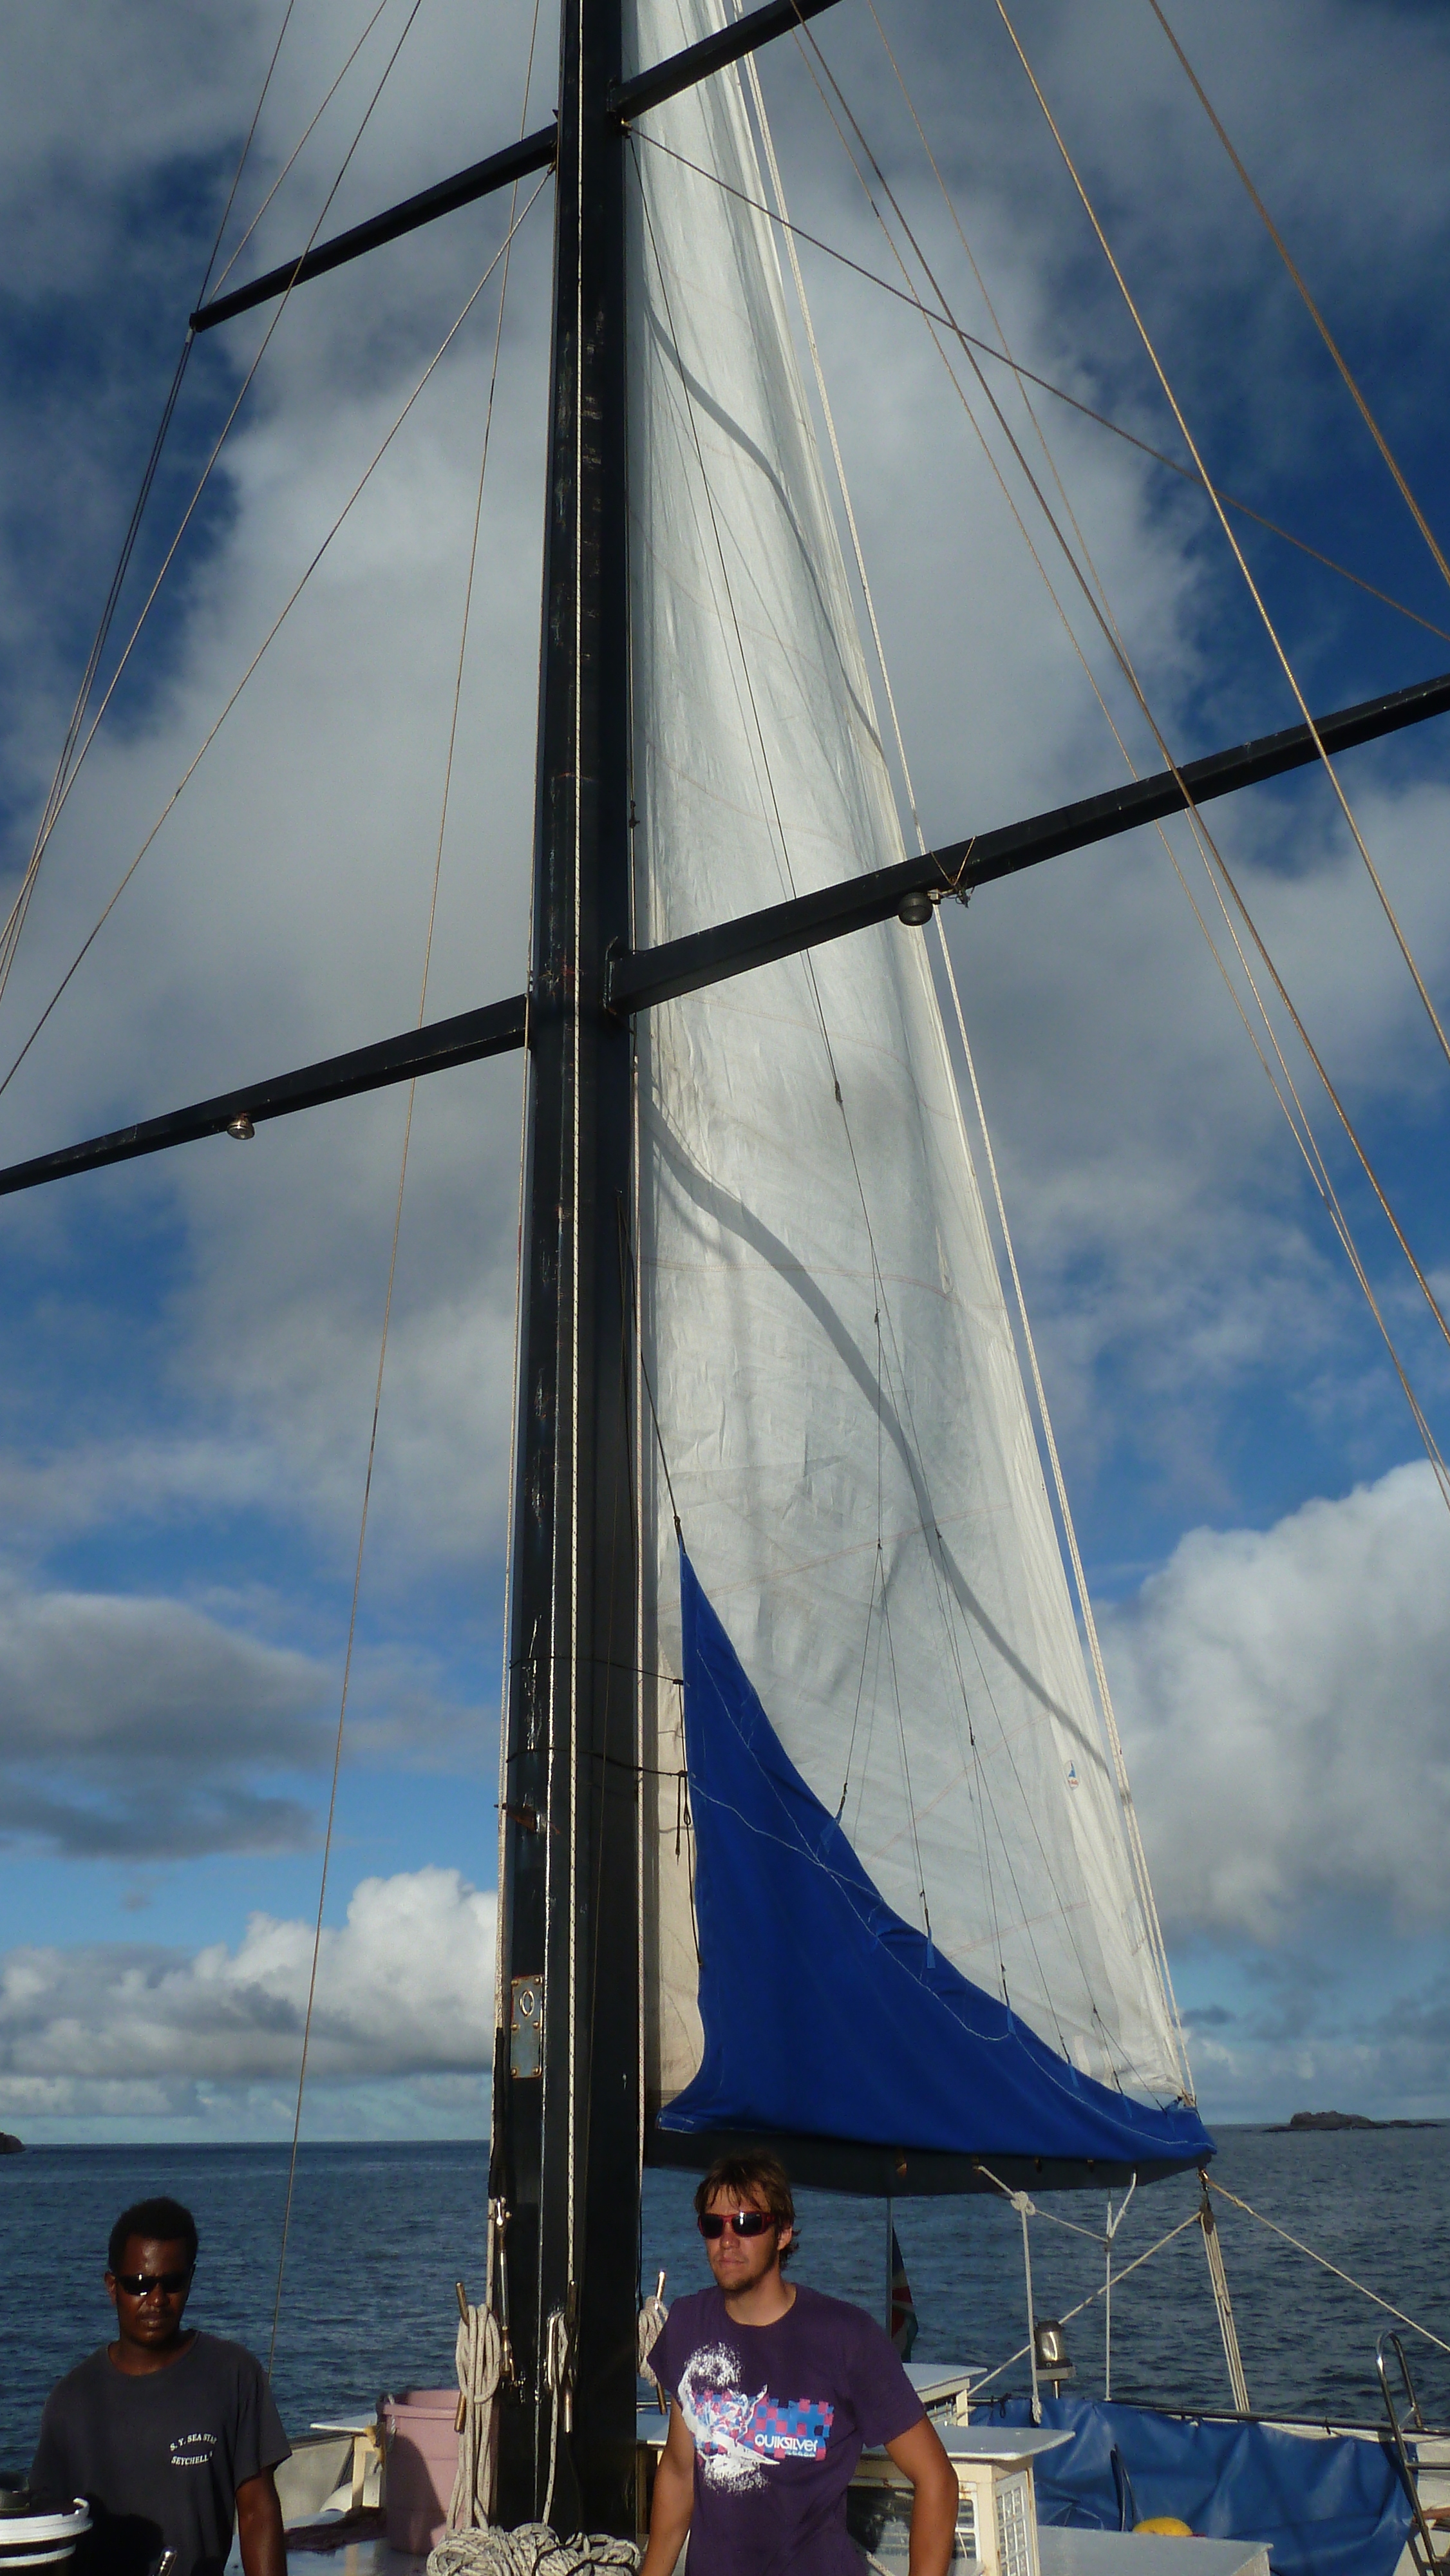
[744,2222]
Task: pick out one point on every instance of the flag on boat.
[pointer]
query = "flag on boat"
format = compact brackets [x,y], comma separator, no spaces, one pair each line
[903,2305]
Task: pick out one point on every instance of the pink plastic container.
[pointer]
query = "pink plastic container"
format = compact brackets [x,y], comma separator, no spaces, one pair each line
[421,2451]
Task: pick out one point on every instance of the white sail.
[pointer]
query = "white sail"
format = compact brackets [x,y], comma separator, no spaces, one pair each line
[825,1342]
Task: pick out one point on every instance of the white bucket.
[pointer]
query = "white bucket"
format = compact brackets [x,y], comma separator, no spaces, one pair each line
[45,2537]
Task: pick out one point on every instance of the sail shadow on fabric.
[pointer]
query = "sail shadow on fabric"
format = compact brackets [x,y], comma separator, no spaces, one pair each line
[828,1396]
[822,2010]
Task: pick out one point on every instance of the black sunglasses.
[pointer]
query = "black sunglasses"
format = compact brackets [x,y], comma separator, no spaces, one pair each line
[745,2222]
[139,2285]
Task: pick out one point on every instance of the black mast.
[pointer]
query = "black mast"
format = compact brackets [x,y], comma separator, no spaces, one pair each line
[566,2159]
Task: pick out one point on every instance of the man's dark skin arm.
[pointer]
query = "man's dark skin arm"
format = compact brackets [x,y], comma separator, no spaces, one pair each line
[259,2526]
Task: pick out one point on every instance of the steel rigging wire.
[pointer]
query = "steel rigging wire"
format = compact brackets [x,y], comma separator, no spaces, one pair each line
[515,219]
[71,758]
[1029,376]
[1206,841]
[1299,1124]
[1255,594]
[269,638]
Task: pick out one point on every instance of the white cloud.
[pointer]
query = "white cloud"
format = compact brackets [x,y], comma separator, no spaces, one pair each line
[281,913]
[1285,1702]
[1156,1197]
[405,1989]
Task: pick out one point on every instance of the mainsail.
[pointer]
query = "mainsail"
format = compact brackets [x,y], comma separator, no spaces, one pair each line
[832,1419]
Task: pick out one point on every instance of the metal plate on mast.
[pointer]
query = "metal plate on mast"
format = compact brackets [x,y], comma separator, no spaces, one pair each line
[526,2030]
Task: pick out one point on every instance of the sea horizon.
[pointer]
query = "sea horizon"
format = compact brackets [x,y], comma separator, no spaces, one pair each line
[382,2229]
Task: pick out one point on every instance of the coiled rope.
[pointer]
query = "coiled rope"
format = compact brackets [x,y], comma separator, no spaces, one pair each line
[532,2550]
[479,2357]
[652,2315]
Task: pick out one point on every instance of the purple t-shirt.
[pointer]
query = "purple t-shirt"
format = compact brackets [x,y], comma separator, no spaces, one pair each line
[779,2416]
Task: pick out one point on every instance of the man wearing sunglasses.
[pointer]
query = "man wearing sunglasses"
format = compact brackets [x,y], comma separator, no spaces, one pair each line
[172,2436]
[776,2390]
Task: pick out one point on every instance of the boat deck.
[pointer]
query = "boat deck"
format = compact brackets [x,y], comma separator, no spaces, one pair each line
[320,2465]
[1063,2553]
[1144,2553]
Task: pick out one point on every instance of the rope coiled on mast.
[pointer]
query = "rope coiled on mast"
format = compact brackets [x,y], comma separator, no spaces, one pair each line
[649,2328]
[479,2357]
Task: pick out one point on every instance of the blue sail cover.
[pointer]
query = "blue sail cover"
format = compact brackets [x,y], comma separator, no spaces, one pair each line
[824,2013]
[1331,2506]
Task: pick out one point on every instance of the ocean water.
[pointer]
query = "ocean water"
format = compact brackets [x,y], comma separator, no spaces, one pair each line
[381,2233]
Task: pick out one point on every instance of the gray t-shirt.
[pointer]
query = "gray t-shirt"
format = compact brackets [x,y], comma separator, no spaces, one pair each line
[160,2456]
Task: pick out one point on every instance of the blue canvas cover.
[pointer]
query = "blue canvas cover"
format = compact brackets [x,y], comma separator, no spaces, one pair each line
[1327,2507]
[824,2013]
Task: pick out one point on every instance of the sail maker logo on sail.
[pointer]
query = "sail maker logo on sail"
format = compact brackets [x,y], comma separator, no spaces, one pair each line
[736,2435]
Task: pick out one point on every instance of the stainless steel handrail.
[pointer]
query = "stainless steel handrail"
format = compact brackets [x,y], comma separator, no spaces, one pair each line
[1428,2559]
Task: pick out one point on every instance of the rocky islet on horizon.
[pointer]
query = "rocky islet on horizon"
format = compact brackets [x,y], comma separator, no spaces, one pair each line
[1342,2120]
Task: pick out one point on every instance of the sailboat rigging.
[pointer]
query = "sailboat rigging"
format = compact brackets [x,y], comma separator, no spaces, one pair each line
[795,1686]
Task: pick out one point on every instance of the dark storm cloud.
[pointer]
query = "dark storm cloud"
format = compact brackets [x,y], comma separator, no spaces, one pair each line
[128,1729]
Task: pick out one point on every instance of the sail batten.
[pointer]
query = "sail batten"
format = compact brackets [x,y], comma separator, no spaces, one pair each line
[831,1375]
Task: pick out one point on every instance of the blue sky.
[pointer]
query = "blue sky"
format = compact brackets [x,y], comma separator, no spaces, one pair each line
[189,1349]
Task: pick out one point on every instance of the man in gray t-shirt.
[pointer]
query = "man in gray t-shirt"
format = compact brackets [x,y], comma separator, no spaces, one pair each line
[172,2437]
